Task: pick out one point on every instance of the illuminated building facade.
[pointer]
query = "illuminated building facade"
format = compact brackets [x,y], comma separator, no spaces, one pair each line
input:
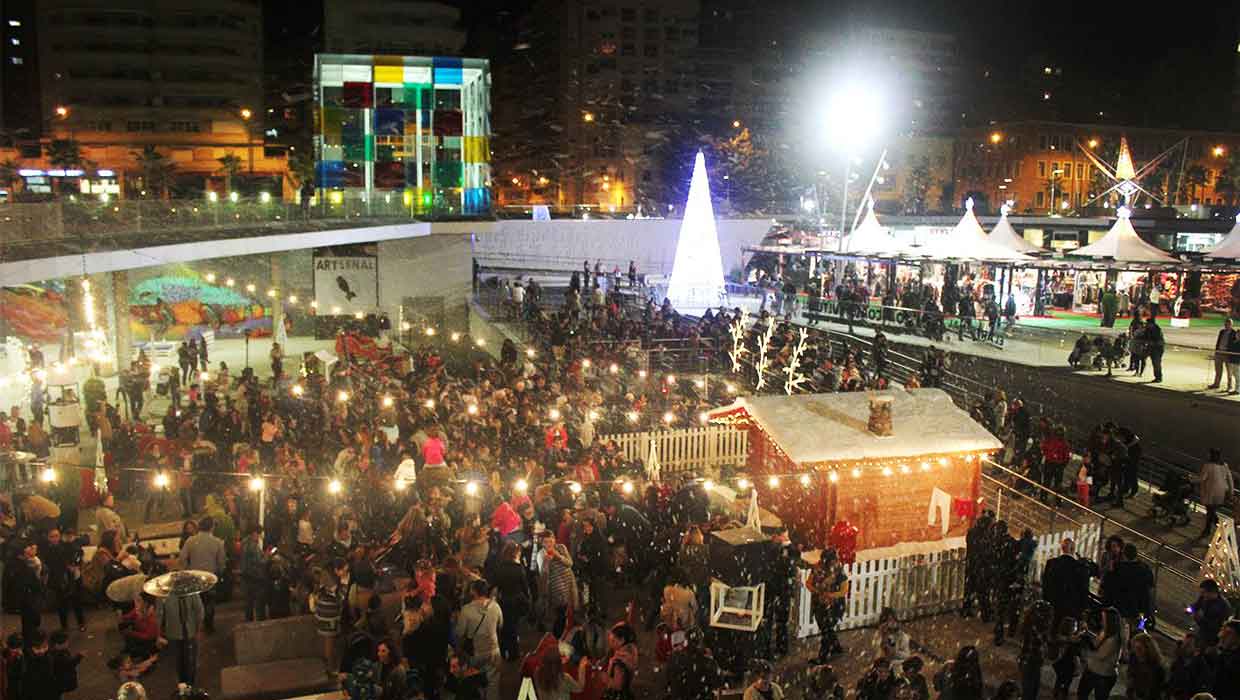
[417,128]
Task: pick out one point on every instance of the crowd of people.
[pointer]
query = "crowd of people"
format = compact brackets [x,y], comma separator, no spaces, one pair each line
[489,486]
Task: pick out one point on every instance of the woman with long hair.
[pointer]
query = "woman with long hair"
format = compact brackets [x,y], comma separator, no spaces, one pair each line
[1100,651]
[1147,676]
[621,663]
[551,681]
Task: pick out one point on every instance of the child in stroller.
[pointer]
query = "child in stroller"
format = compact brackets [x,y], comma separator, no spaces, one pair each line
[1172,503]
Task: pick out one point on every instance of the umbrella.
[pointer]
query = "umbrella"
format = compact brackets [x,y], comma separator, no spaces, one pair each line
[180,583]
[123,590]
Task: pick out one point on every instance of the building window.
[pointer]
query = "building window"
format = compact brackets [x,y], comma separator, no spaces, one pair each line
[1080,171]
[1041,168]
[1042,142]
[139,125]
[1040,199]
[184,126]
[17,60]
[1054,167]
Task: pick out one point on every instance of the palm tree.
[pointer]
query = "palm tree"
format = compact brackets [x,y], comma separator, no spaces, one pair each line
[230,165]
[9,175]
[301,166]
[64,154]
[157,170]
[1228,183]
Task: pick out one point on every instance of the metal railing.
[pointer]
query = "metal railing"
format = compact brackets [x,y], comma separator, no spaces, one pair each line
[1026,504]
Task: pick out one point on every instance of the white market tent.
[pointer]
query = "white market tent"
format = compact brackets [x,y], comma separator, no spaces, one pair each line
[1122,244]
[1003,234]
[968,241]
[870,237]
[1229,247]
[812,428]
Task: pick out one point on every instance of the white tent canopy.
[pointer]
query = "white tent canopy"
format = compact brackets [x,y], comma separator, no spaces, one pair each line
[871,237]
[1003,234]
[968,241]
[1229,247]
[1122,244]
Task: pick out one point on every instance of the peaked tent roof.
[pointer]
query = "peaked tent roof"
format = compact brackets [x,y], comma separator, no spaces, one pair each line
[1122,244]
[871,237]
[968,241]
[1006,236]
[1124,169]
[1229,247]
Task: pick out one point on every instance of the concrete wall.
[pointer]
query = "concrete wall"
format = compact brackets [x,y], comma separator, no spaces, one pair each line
[431,266]
[565,243]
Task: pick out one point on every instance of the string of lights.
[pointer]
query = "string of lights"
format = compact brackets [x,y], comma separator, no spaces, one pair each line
[257,481]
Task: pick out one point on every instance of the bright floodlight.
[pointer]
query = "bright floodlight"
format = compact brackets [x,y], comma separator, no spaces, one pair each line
[853,117]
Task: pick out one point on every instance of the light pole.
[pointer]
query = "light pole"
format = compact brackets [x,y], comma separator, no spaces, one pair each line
[1051,207]
[246,114]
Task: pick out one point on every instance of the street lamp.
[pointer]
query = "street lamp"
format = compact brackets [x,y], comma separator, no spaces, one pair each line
[246,113]
[1052,202]
[853,121]
[1219,151]
[996,137]
[62,111]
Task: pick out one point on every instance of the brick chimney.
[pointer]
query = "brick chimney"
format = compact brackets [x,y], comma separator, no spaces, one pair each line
[880,415]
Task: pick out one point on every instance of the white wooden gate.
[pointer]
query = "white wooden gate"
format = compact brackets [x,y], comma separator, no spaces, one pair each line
[920,583]
[687,449]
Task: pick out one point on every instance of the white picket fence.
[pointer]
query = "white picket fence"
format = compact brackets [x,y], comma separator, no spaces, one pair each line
[921,583]
[687,449]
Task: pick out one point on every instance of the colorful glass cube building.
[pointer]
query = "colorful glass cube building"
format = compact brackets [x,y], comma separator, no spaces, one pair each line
[414,127]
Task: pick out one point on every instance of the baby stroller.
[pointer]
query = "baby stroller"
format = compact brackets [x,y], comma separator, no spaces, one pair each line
[1172,503]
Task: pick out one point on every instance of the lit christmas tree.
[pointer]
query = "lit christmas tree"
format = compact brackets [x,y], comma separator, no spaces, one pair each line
[697,273]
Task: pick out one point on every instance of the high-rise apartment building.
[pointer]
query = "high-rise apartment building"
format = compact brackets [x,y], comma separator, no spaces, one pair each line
[19,77]
[392,27]
[181,76]
[596,88]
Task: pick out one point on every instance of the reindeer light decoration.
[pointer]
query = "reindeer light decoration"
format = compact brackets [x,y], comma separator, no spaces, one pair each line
[795,378]
[737,331]
[764,360]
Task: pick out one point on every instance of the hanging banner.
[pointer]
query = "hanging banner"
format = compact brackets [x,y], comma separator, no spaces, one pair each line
[346,279]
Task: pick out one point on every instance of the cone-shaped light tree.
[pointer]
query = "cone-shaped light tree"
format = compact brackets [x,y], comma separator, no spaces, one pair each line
[697,273]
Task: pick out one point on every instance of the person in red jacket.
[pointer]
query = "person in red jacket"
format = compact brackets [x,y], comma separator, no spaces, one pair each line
[1055,456]
[556,440]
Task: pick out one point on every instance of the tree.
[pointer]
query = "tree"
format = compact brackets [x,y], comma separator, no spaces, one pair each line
[916,187]
[64,154]
[230,165]
[157,170]
[301,167]
[1228,183]
[9,175]
[1194,179]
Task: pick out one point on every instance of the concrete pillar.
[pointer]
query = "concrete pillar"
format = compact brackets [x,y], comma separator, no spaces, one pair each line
[122,339]
[277,304]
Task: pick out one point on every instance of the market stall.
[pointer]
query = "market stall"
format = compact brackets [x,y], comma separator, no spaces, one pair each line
[902,466]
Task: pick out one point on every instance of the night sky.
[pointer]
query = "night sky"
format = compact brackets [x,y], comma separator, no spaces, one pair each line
[1141,66]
